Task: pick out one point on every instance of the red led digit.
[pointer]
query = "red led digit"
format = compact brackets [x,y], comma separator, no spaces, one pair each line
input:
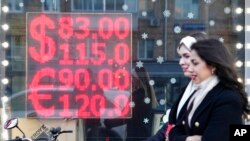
[35,98]
[37,30]
[65,77]
[121,53]
[66,52]
[65,30]
[81,49]
[98,50]
[105,27]
[122,79]
[122,27]
[84,103]
[64,99]
[97,106]
[83,24]
[121,104]
[82,79]
[105,78]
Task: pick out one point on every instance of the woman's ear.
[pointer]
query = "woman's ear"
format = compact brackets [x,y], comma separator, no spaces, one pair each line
[213,70]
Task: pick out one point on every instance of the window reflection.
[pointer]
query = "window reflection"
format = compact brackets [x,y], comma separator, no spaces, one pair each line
[15,6]
[181,17]
[146,49]
[105,5]
[183,9]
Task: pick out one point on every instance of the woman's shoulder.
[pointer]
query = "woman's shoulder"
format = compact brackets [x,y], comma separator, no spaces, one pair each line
[229,94]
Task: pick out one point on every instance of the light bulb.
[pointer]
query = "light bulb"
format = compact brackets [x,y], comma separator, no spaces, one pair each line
[5,44]
[239,63]
[239,45]
[5,81]
[238,10]
[5,63]
[5,27]
[5,9]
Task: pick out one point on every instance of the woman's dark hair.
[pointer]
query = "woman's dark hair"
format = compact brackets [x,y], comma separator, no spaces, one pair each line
[215,54]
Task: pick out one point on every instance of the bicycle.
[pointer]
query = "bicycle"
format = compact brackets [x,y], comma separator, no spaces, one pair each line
[54,132]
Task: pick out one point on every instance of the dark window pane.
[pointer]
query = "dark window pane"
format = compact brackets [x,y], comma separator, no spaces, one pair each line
[98,4]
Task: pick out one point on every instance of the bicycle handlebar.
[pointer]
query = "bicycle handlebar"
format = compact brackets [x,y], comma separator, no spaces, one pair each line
[55,135]
[19,139]
[66,131]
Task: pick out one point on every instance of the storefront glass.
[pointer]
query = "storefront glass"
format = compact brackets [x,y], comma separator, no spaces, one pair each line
[73,59]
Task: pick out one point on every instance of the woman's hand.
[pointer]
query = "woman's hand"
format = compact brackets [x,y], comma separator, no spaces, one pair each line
[194,138]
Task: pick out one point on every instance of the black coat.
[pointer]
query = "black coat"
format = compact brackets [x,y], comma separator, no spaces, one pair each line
[221,108]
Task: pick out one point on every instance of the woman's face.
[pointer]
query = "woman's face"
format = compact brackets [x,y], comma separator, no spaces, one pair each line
[184,61]
[200,70]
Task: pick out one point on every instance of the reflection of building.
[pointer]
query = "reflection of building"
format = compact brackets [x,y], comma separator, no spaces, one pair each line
[164,23]
[160,20]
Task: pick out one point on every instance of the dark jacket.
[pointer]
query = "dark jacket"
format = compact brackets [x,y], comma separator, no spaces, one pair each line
[219,109]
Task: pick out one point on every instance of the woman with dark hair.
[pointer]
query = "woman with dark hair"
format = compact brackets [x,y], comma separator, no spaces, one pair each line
[177,109]
[219,100]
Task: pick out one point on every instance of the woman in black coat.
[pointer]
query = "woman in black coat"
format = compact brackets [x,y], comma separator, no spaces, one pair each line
[177,109]
[220,100]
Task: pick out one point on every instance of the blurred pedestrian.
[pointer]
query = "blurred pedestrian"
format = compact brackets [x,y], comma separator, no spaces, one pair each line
[177,109]
[219,100]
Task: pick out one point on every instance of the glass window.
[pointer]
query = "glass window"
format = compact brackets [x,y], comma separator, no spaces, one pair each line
[186,9]
[132,5]
[110,4]
[50,5]
[18,50]
[56,44]
[114,5]
[105,5]
[15,6]
[82,4]
[146,49]
[119,4]
[147,9]
[98,5]
[16,55]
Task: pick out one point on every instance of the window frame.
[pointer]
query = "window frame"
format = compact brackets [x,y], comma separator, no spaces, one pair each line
[55,3]
[13,4]
[146,47]
[104,6]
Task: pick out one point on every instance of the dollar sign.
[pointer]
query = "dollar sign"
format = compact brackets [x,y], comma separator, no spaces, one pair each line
[47,44]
